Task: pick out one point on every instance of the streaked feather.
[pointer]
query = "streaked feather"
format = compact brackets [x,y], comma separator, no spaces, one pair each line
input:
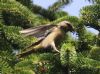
[38,32]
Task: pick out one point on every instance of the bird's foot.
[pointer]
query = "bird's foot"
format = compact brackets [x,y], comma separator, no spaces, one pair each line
[56,51]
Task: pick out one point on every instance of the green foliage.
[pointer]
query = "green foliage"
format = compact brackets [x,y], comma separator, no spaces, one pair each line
[95,1]
[95,53]
[76,56]
[45,63]
[15,38]
[7,62]
[17,14]
[98,39]
[60,14]
[87,65]
[3,42]
[59,4]
[91,16]
[49,15]
[68,54]
[86,61]
[5,68]
[24,66]
[86,39]
[27,3]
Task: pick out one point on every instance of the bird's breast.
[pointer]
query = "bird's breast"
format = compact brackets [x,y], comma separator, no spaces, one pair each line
[55,36]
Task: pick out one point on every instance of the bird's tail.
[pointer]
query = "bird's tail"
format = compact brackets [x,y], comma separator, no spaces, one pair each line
[29,51]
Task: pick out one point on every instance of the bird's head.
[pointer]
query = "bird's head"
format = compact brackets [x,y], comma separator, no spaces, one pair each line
[66,26]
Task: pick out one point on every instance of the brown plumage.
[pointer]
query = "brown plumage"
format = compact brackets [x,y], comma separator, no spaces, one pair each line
[51,38]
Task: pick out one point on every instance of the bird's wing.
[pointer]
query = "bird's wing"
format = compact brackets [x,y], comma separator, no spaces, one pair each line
[38,32]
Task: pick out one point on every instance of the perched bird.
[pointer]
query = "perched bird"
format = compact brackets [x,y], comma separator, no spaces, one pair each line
[49,37]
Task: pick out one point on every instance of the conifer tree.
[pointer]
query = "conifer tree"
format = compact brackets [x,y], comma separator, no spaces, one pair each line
[77,55]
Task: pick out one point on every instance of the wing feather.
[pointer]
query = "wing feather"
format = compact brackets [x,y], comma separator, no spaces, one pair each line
[37,31]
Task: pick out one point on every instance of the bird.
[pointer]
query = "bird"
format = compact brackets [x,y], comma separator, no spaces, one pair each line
[49,37]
